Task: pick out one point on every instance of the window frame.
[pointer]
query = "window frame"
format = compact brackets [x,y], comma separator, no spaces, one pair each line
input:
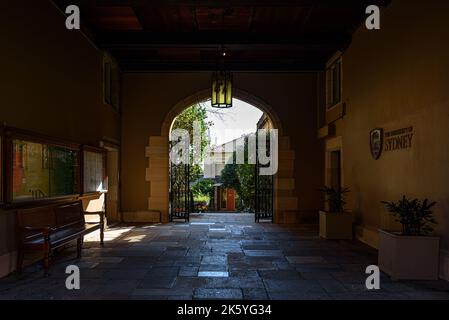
[11,134]
[107,82]
[111,81]
[334,144]
[338,169]
[331,64]
[103,152]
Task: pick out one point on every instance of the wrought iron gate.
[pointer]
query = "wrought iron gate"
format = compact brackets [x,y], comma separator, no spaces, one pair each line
[263,192]
[181,199]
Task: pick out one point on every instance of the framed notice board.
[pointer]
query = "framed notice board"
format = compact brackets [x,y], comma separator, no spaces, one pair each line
[94,169]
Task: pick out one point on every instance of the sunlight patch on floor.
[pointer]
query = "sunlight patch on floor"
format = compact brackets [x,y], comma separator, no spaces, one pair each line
[109,234]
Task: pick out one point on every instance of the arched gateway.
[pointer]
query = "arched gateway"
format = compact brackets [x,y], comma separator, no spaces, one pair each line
[158,171]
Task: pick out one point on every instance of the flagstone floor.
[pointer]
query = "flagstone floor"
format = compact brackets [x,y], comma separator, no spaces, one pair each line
[216,256]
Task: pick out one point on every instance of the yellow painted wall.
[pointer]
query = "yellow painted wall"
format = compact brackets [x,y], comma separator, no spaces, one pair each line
[51,83]
[394,78]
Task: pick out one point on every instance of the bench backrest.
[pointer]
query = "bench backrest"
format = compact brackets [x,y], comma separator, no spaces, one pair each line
[60,217]
[40,217]
[69,215]
[36,217]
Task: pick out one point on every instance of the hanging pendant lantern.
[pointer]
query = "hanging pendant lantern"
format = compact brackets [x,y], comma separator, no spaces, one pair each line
[221,90]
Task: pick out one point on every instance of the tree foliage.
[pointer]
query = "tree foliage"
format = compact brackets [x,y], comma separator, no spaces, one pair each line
[185,120]
[203,187]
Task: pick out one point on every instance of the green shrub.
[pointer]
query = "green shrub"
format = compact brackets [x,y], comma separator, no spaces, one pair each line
[335,198]
[415,216]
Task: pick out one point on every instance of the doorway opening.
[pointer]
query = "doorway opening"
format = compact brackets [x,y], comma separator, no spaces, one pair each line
[216,171]
[113,184]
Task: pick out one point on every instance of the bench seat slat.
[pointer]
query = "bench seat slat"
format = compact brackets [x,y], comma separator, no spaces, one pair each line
[60,237]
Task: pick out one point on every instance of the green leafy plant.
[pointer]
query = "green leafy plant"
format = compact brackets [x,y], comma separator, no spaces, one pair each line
[335,198]
[415,216]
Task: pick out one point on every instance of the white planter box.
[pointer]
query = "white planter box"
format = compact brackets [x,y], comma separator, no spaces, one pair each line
[336,226]
[409,257]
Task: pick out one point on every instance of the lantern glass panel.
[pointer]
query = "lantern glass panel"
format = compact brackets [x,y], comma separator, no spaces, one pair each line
[221,90]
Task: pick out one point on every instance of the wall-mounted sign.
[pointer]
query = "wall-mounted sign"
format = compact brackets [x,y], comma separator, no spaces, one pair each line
[393,140]
[398,139]
[376,142]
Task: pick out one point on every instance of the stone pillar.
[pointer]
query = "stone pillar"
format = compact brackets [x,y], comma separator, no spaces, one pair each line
[157,174]
[285,202]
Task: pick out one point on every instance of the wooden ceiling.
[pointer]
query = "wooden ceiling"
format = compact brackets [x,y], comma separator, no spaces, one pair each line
[263,35]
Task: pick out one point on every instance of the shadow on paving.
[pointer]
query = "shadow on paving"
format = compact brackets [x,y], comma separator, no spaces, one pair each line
[216,256]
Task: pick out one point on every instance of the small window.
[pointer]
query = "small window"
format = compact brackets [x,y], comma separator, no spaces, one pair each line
[111,83]
[333,83]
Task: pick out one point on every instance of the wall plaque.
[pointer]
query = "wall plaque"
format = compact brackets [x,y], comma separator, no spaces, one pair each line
[393,140]
[376,142]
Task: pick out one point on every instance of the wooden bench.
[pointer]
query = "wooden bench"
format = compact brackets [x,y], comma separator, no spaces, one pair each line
[48,228]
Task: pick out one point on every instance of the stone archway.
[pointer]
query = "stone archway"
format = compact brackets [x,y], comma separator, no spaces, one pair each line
[157,173]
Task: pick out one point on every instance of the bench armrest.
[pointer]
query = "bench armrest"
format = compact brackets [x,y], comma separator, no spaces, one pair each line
[102,215]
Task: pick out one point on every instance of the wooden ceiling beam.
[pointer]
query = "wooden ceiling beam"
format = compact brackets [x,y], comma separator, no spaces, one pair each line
[140,65]
[224,3]
[113,40]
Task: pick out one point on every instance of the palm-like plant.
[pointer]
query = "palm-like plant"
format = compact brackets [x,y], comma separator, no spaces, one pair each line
[335,198]
[415,216]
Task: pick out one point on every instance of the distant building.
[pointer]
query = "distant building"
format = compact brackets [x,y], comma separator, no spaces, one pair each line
[217,158]
[224,199]
[264,122]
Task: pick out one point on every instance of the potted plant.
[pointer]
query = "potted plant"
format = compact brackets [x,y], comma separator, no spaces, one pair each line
[411,254]
[335,223]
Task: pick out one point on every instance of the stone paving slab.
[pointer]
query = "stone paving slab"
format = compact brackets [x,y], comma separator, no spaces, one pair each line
[216,256]
[217,294]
